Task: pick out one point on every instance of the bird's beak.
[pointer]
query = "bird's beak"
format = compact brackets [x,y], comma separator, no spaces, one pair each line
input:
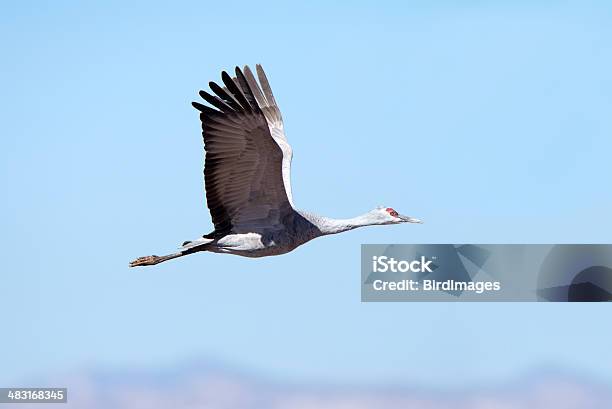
[408,219]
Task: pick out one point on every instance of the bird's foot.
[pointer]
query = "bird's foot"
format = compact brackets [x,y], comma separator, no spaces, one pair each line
[145,261]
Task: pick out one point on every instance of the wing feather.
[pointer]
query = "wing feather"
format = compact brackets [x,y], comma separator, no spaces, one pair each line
[225,96]
[236,92]
[267,103]
[215,101]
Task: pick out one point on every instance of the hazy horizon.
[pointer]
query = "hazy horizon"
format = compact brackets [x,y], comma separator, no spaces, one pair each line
[205,384]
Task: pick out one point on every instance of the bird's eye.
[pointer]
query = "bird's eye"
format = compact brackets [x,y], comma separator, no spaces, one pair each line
[392,212]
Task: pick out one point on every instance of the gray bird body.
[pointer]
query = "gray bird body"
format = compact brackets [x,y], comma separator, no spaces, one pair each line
[262,241]
[247,176]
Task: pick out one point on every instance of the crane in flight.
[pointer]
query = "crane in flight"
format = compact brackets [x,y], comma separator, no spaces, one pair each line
[247,177]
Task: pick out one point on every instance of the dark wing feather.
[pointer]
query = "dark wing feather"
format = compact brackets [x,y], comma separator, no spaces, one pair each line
[236,92]
[225,96]
[215,101]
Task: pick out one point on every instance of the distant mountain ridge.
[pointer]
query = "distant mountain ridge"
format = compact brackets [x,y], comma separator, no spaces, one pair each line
[210,386]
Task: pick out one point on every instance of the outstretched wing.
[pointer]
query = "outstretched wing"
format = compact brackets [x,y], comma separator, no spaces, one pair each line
[246,172]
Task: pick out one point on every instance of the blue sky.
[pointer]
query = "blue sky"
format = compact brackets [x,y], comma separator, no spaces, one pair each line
[488,120]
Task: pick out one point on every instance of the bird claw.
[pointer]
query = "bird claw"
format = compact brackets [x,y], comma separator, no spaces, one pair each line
[144,261]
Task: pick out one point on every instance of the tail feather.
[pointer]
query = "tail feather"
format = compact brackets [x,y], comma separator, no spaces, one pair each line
[195,243]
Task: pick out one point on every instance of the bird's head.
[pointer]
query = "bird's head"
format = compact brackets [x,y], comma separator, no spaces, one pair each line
[388,215]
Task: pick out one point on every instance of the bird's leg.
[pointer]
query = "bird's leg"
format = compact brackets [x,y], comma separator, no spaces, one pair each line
[152,260]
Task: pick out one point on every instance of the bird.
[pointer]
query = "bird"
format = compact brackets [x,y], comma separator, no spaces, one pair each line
[247,177]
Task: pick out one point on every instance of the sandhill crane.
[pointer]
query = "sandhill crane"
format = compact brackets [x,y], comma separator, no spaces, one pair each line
[247,177]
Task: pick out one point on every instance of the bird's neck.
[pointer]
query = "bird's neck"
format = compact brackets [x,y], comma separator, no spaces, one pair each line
[327,225]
